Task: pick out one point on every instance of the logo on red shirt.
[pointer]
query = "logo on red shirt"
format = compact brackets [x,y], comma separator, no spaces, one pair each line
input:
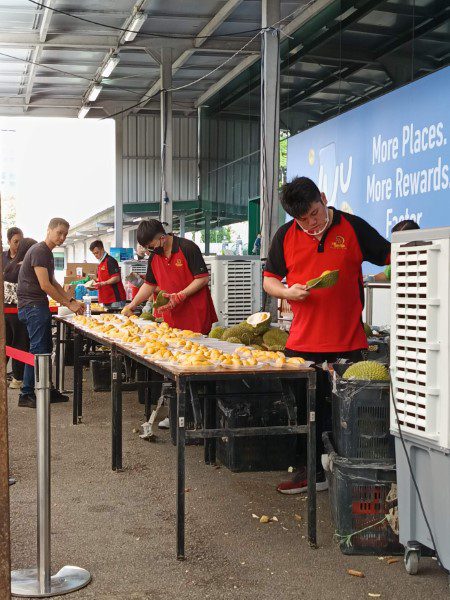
[178,262]
[339,243]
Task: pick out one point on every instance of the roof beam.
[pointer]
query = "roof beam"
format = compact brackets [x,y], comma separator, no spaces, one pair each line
[104,42]
[36,56]
[292,26]
[200,40]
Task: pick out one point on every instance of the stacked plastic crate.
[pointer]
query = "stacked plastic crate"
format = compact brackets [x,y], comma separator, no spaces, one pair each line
[420,407]
[361,468]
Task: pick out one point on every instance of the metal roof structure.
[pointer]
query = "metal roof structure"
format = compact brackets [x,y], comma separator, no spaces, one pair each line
[54,52]
[344,56]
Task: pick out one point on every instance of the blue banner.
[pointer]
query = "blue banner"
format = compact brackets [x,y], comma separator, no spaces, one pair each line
[387,160]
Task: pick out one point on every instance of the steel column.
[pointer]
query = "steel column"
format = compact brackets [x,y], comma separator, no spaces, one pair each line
[118,206]
[166,139]
[270,128]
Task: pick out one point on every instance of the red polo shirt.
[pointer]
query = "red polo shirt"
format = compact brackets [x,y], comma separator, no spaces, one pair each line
[173,275]
[108,294]
[329,320]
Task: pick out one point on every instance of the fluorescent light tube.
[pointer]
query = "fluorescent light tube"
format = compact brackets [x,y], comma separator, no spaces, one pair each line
[94,93]
[135,25]
[110,66]
[83,111]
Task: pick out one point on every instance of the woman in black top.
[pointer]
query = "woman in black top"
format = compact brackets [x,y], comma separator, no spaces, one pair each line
[16,332]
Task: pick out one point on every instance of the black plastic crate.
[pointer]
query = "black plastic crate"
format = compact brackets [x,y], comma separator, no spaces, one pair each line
[378,350]
[360,505]
[360,416]
[101,375]
[249,408]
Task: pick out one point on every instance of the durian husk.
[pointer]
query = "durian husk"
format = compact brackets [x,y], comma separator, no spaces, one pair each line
[161,300]
[323,281]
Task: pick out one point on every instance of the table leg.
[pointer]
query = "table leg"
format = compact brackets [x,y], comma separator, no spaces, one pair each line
[58,355]
[77,377]
[210,422]
[116,398]
[181,439]
[312,492]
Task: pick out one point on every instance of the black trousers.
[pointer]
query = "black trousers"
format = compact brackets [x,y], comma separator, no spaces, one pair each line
[323,392]
[16,337]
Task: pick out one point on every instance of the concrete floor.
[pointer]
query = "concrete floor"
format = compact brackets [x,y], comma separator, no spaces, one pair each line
[120,526]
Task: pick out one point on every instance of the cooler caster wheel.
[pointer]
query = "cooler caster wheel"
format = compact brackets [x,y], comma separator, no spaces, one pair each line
[411,559]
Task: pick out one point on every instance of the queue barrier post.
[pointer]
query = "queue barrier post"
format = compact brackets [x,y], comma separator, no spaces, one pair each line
[39,583]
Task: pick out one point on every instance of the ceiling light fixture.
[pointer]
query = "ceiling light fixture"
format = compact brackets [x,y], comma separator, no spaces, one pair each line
[110,66]
[94,93]
[135,25]
[83,111]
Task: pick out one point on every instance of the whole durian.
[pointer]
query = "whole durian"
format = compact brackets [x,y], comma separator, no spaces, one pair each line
[367,370]
[275,337]
[217,332]
[233,340]
[234,331]
[276,348]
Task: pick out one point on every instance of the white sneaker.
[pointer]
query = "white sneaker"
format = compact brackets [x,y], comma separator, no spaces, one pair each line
[15,384]
[164,424]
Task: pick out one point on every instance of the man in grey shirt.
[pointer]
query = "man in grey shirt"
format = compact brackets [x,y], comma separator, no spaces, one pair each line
[36,283]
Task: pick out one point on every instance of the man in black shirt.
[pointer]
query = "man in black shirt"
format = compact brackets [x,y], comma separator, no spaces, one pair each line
[36,283]
[13,235]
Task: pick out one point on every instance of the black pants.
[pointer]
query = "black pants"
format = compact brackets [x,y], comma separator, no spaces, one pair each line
[16,337]
[323,392]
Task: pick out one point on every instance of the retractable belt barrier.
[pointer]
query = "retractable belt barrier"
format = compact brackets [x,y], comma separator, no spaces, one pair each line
[13,310]
[38,582]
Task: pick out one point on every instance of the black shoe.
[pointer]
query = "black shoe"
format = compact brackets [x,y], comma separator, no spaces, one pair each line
[12,481]
[27,401]
[56,396]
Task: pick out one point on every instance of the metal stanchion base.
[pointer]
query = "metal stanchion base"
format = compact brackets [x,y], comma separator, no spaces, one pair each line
[24,583]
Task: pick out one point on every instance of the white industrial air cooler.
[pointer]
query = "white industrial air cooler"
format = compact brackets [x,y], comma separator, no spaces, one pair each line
[236,286]
[420,404]
[133,266]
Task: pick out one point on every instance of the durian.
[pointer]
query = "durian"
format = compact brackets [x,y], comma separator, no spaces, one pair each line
[325,280]
[161,300]
[275,337]
[217,332]
[367,370]
[368,330]
[276,348]
[260,322]
[233,340]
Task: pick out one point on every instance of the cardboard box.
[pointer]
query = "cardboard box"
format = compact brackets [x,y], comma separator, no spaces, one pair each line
[71,269]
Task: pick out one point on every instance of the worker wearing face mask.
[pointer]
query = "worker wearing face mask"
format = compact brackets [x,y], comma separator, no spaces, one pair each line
[327,322]
[177,267]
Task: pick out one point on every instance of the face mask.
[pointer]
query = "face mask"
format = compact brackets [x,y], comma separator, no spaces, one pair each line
[313,232]
[159,249]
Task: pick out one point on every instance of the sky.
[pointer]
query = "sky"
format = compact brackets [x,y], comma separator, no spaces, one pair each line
[63,168]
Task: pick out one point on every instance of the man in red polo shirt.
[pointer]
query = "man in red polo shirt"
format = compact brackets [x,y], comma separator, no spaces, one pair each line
[327,322]
[177,267]
[111,292]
